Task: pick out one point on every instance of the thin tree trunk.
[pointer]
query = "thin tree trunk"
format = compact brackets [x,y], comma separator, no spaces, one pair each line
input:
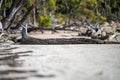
[11,22]
[34,14]
[1,3]
[66,4]
[24,17]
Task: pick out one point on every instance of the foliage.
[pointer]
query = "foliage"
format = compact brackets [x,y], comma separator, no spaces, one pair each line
[51,4]
[65,10]
[44,20]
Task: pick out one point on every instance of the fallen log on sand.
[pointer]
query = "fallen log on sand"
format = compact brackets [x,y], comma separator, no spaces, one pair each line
[30,40]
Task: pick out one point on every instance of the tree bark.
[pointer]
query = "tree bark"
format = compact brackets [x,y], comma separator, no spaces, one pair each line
[16,5]
[34,13]
[24,17]
[1,3]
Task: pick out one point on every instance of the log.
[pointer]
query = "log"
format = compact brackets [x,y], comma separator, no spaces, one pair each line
[59,41]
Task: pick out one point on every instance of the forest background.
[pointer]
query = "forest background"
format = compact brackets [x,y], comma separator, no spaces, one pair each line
[13,13]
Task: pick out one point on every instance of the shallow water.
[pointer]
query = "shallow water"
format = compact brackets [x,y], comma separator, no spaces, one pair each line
[59,62]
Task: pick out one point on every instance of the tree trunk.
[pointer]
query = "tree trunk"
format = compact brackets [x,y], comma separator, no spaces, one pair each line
[1,3]
[11,22]
[24,17]
[34,14]
[16,5]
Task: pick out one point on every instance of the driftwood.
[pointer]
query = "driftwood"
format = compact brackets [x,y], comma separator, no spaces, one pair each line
[118,29]
[30,40]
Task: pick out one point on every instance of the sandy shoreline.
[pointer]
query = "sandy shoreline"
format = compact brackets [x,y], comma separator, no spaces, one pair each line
[60,34]
[61,37]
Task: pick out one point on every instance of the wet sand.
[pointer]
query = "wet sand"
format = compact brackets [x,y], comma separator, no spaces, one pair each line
[59,62]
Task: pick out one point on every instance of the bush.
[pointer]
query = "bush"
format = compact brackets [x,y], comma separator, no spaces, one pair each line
[61,18]
[44,20]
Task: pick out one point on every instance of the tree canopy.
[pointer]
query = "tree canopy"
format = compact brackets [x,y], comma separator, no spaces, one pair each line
[92,10]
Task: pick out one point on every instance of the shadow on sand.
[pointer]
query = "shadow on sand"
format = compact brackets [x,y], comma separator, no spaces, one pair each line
[11,67]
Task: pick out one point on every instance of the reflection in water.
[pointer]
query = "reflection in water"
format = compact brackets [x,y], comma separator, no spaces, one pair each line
[11,67]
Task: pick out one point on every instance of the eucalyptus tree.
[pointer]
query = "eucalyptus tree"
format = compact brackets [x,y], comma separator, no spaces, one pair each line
[77,8]
[10,8]
[109,8]
[1,3]
[47,6]
[68,8]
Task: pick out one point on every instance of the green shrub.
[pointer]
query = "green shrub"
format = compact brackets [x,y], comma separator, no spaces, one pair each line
[44,20]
